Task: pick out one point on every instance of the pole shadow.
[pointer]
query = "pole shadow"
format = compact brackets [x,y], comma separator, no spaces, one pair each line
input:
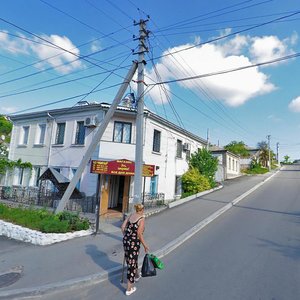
[102,260]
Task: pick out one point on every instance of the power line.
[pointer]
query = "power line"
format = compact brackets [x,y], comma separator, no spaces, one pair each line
[189,21]
[79,21]
[295,55]
[227,35]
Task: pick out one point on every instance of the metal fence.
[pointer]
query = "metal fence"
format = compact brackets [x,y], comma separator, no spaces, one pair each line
[45,198]
[41,196]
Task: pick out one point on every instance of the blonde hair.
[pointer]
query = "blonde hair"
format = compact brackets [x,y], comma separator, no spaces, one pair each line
[138,207]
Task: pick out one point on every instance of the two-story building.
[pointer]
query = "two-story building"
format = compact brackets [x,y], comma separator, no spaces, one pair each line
[59,138]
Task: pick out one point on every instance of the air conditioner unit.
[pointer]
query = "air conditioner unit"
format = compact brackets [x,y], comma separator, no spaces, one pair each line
[90,121]
[186,147]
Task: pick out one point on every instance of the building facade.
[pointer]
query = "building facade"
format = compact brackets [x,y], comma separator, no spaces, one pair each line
[60,137]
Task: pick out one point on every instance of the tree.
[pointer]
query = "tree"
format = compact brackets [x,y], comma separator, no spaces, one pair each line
[5,130]
[264,153]
[238,148]
[206,164]
[286,159]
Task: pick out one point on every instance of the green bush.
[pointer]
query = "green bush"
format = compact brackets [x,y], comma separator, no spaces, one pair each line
[193,182]
[43,220]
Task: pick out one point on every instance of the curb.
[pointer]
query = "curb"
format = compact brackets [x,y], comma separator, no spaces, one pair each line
[192,197]
[102,276]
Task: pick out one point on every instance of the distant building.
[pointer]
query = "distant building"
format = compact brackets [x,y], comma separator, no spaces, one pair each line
[229,163]
[59,138]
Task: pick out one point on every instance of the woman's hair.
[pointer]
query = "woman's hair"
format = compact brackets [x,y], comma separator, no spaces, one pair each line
[138,207]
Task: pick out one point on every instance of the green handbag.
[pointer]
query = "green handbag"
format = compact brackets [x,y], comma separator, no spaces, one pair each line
[157,262]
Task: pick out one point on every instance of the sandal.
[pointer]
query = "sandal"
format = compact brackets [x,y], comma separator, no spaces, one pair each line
[132,290]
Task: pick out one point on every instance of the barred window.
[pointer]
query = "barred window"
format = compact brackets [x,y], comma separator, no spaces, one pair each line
[122,132]
[156,141]
[60,133]
[80,133]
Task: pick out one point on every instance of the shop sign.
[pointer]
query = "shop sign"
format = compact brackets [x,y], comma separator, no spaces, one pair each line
[122,167]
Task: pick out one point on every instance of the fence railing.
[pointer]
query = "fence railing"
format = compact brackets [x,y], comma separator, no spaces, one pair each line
[47,198]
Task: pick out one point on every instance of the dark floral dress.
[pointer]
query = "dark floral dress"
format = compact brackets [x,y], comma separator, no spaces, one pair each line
[131,244]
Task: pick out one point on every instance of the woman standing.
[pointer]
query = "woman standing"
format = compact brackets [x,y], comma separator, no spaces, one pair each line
[133,229]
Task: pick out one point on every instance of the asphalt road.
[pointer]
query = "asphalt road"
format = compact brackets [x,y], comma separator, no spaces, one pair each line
[251,252]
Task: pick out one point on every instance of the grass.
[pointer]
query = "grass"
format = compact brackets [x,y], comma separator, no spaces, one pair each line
[257,170]
[43,220]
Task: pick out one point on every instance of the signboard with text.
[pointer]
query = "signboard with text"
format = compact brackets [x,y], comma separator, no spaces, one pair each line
[121,167]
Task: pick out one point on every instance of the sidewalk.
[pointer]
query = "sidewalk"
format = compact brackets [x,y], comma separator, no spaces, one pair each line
[92,259]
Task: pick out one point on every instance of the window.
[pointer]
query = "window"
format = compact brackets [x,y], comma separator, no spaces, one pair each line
[179,149]
[122,132]
[24,135]
[156,141]
[78,183]
[37,174]
[60,133]
[178,188]
[80,133]
[229,165]
[41,133]
[153,185]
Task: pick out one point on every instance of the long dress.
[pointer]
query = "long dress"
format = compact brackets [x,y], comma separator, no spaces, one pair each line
[131,244]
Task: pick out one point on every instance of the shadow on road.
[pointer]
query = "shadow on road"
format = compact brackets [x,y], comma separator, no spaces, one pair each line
[103,261]
[291,251]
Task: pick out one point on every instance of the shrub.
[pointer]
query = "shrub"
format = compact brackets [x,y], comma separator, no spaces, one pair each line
[193,182]
[43,220]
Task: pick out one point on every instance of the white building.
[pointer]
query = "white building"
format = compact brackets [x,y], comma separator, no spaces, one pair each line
[59,138]
[229,165]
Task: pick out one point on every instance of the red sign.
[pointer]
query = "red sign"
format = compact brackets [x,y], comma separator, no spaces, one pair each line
[122,167]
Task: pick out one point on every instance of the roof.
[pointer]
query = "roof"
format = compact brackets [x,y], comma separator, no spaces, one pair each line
[104,107]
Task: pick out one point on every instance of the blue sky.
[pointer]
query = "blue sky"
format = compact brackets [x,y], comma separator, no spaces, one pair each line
[246,105]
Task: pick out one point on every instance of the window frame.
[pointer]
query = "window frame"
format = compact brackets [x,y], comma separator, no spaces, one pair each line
[40,131]
[57,142]
[78,137]
[156,142]
[179,151]
[122,132]
[24,134]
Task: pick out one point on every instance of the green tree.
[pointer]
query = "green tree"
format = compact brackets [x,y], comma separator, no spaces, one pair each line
[5,130]
[286,159]
[206,164]
[264,153]
[238,148]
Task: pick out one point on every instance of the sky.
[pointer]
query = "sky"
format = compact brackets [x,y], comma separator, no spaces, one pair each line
[243,55]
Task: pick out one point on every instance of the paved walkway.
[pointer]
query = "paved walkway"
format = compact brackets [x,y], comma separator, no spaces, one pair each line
[91,259]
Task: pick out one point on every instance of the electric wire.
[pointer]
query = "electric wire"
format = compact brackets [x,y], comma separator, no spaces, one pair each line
[228,35]
[283,58]
[79,21]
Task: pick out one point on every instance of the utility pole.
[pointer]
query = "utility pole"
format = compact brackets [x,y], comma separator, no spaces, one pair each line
[96,139]
[138,182]
[269,138]
[277,152]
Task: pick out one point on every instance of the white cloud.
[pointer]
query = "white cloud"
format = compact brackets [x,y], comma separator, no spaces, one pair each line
[12,45]
[270,47]
[43,51]
[68,61]
[295,105]
[234,88]
[7,109]
[274,118]
[95,46]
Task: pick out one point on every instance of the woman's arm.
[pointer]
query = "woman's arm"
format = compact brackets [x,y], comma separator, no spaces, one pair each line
[124,225]
[140,233]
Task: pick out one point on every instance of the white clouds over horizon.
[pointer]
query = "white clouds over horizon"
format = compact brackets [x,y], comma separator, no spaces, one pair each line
[235,88]
[63,62]
[294,105]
